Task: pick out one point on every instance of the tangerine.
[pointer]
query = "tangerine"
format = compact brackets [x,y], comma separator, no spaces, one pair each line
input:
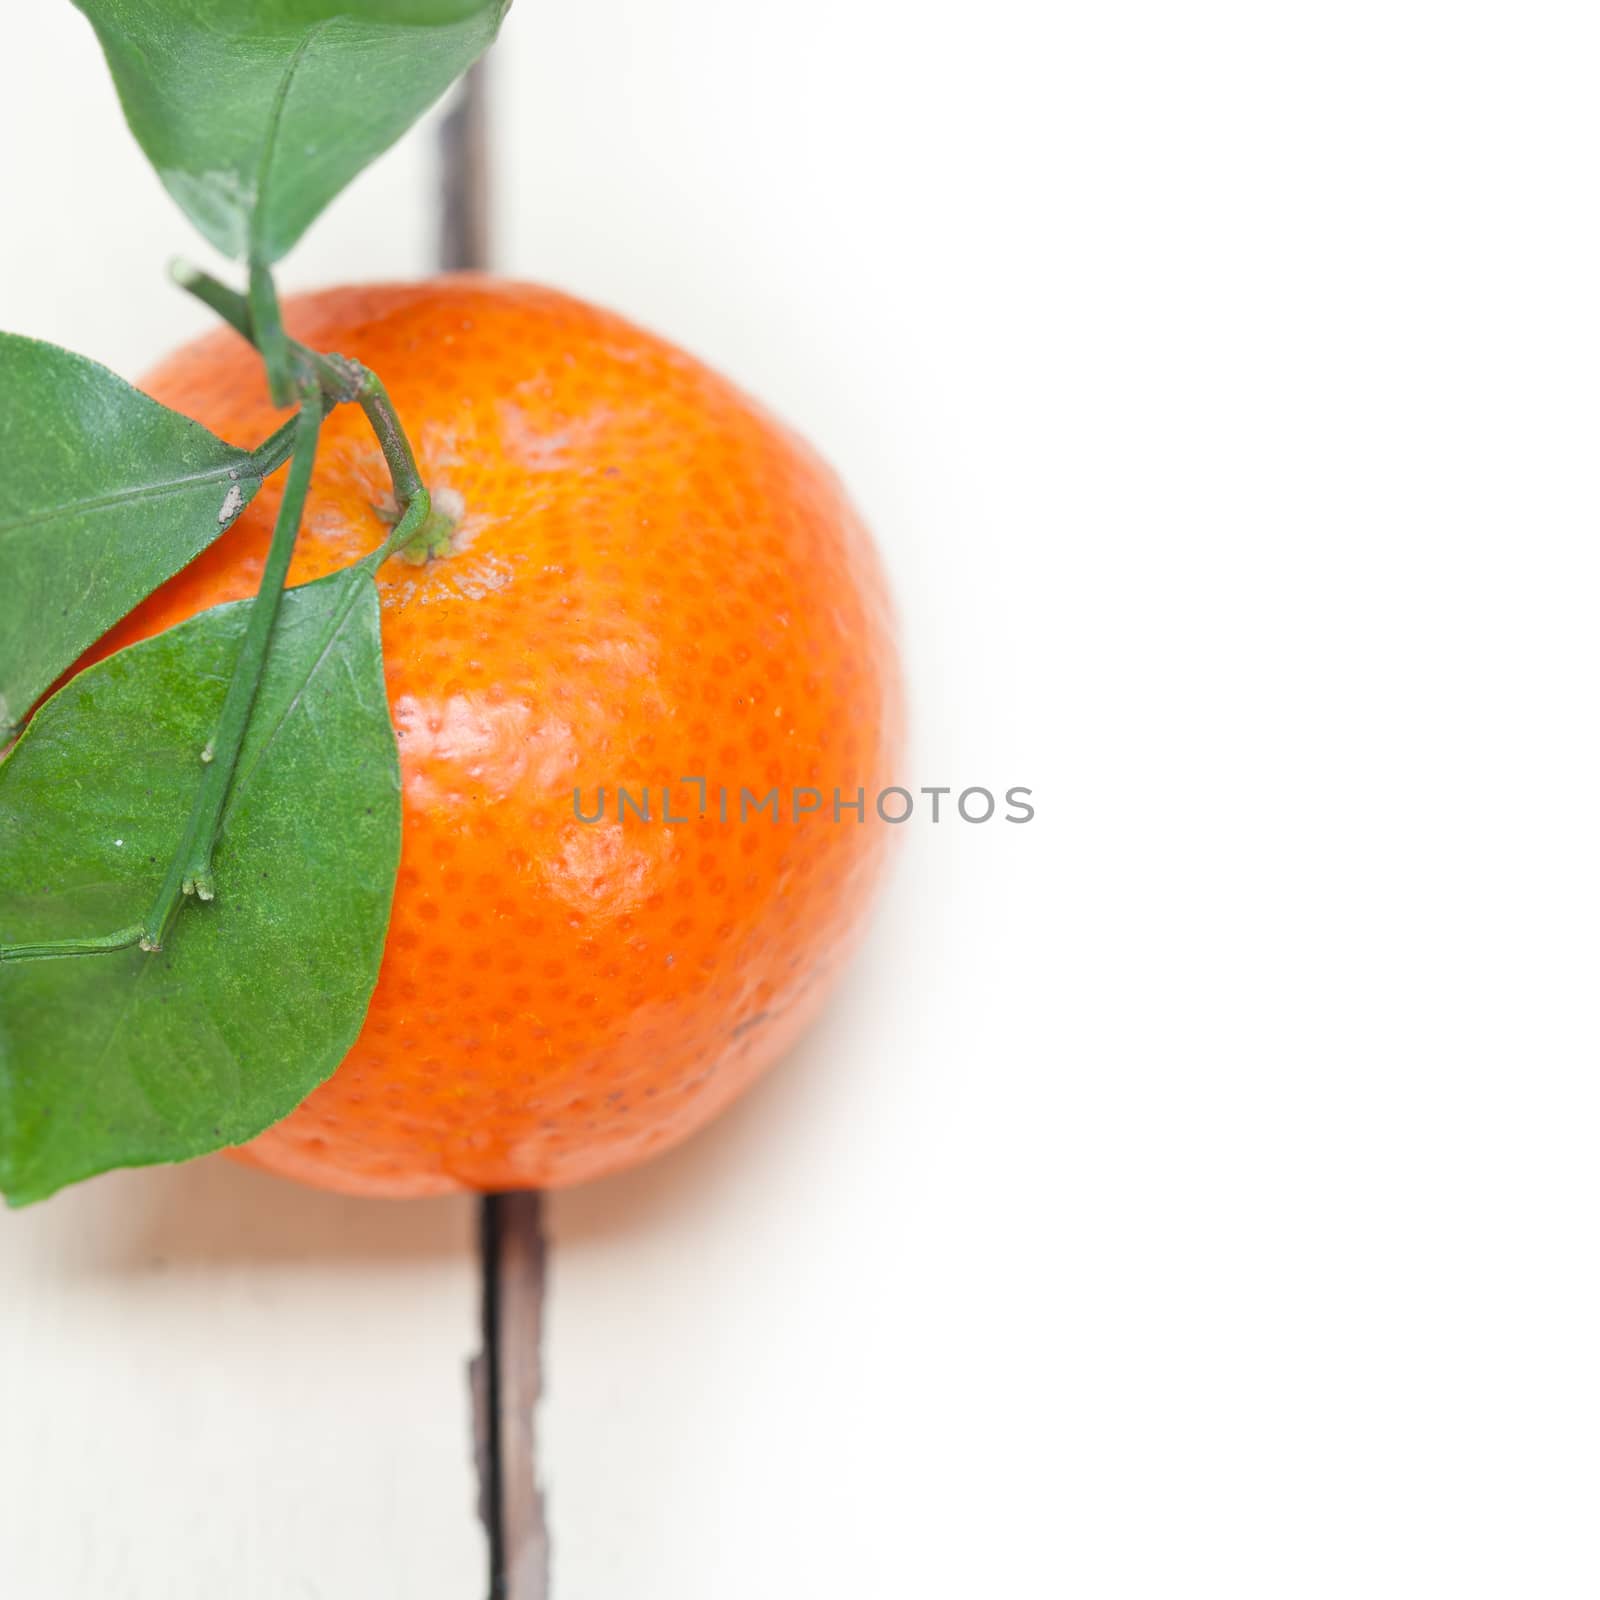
[649,581]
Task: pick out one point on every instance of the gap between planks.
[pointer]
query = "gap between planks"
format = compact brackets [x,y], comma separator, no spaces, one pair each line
[506,1381]
[506,1377]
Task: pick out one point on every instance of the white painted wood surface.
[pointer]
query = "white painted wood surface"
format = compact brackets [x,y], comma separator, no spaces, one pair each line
[1192,1192]
[215,1384]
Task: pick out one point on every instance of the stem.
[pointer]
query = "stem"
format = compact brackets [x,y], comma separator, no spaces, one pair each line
[340,378]
[124,939]
[266,325]
[190,871]
[418,510]
[228,303]
[386,424]
[275,449]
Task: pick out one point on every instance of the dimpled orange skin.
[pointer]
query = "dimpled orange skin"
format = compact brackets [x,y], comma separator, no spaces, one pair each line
[652,581]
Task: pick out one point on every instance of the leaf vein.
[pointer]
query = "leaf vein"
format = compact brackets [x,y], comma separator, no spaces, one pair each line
[269,141]
[335,628]
[120,497]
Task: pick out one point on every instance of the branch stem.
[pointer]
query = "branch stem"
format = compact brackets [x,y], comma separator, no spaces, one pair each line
[228,303]
[397,453]
[412,522]
[341,379]
[190,871]
[275,449]
[266,323]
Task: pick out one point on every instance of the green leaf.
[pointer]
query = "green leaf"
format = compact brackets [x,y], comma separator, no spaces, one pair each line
[256,113]
[127,1058]
[103,496]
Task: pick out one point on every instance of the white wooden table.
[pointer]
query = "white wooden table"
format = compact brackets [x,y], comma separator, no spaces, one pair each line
[1191,1193]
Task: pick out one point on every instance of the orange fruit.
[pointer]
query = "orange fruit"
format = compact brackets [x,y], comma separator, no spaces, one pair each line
[651,581]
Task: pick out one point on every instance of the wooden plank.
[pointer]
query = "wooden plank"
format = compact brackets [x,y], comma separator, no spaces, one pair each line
[1194,1193]
[213,1383]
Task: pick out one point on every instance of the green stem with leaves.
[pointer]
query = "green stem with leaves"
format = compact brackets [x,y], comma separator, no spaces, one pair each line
[322,381]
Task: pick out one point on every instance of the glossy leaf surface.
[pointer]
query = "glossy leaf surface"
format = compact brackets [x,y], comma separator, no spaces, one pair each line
[104,494]
[256,113]
[128,1058]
